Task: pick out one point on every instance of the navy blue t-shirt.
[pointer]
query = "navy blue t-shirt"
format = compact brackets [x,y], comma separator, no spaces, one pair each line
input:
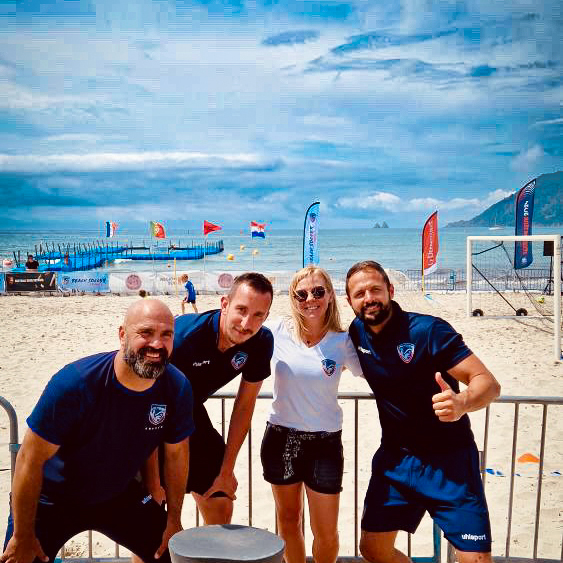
[191,290]
[197,356]
[400,364]
[105,431]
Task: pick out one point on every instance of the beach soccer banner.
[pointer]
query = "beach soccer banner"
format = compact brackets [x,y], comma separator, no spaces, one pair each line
[84,282]
[111,229]
[523,256]
[311,235]
[27,281]
[210,227]
[157,230]
[430,244]
[257,229]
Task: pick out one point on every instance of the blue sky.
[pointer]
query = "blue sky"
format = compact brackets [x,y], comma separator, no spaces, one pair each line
[250,110]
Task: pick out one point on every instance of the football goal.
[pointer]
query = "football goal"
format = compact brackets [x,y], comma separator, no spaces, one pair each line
[496,288]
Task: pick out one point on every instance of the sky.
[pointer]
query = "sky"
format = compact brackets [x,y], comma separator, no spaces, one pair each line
[233,111]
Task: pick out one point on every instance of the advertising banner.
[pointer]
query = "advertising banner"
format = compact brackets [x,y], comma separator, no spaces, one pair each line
[2,284]
[430,244]
[31,281]
[311,235]
[87,282]
[524,205]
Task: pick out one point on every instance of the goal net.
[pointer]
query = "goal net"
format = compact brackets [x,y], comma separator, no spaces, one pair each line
[516,276]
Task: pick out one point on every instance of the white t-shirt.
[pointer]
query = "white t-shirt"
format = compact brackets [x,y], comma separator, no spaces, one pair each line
[306,379]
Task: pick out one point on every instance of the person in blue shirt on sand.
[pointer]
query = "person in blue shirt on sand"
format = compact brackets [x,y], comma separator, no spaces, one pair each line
[97,422]
[190,296]
[428,459]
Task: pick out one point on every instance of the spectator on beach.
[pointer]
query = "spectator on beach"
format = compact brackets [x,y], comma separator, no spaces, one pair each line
[96,423]
[302,446]
[190,296]
[211,349]
[428,459]
[31,263]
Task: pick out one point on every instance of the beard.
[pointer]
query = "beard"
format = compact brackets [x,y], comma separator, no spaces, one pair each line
[377,318]
[145,369]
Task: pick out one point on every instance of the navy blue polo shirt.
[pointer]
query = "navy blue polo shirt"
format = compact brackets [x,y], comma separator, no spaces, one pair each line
[400,363]
[105,430]
[196,354]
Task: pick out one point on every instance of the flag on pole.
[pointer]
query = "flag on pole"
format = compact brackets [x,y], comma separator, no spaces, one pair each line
[157,230]
[111,229]
[524,211]
[210,227]
[257,229]
[430,244]
[311,235]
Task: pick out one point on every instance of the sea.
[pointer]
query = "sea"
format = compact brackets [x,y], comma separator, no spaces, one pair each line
[281,250]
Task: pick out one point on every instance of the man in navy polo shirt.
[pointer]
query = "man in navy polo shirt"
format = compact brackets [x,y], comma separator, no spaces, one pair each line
[211,349]
[427,459]
[95,425]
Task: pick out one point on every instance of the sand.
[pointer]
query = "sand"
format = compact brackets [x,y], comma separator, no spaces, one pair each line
[42,334]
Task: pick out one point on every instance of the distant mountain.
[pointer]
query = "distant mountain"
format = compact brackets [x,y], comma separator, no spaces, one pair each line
[548,206]
[383,225]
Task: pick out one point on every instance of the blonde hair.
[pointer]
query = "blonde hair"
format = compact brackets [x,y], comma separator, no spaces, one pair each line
[332,316]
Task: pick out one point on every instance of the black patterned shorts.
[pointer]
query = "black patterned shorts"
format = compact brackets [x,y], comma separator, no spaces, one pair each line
[291,456]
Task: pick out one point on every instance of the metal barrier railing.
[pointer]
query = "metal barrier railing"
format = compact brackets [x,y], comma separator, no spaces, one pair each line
[544,402]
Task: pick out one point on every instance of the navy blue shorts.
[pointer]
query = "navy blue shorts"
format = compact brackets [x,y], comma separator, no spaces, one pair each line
[207,449]
[446,484]
[132,519]
[315,458]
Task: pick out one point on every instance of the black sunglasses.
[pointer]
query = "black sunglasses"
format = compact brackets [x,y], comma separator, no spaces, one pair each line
[317,292]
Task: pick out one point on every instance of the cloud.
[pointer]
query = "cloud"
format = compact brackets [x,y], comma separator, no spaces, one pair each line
[558,121]
[395,204]
[291,38]
[132,161]
[526,160]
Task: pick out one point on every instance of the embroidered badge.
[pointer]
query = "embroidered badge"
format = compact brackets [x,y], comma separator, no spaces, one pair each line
[406,351]
[329,366]
[157,414]
[239,359]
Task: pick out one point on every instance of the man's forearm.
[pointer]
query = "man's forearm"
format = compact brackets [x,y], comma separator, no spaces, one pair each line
[175,478]
[480,392]
[26,488]
[241,418]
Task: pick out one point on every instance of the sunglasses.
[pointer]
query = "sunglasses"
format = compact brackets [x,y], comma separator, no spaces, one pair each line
[317,292]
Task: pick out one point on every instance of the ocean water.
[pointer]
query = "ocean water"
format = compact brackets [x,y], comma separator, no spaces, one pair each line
[281,250]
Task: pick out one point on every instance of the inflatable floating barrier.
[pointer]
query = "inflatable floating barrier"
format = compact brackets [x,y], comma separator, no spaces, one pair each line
[230,257]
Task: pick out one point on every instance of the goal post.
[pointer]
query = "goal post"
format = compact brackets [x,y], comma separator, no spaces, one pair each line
[554,276]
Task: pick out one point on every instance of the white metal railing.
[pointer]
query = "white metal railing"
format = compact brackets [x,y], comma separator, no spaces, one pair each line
[543,409]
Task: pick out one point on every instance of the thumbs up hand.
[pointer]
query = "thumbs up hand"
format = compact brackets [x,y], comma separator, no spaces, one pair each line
[448,405]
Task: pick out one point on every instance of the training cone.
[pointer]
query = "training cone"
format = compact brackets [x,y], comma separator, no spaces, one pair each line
[528,458]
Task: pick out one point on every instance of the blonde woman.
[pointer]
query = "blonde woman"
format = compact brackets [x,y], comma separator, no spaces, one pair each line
[302,445]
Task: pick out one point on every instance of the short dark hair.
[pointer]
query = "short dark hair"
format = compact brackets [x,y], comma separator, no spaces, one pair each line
[366,265]
[256,281]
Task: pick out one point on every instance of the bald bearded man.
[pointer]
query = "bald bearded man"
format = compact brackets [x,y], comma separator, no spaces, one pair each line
[96,423]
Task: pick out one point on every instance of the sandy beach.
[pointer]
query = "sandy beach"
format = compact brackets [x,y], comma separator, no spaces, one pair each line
[42,334]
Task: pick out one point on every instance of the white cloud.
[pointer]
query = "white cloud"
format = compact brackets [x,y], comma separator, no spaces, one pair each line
[379,200]
[526,160]
[558,121]
[128,161]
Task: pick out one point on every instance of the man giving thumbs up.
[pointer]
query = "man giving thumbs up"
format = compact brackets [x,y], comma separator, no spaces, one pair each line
[427,459]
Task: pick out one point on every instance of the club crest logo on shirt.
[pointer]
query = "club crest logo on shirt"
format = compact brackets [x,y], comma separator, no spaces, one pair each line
[239,359]
[157,414]
[329,366]
[406,351]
